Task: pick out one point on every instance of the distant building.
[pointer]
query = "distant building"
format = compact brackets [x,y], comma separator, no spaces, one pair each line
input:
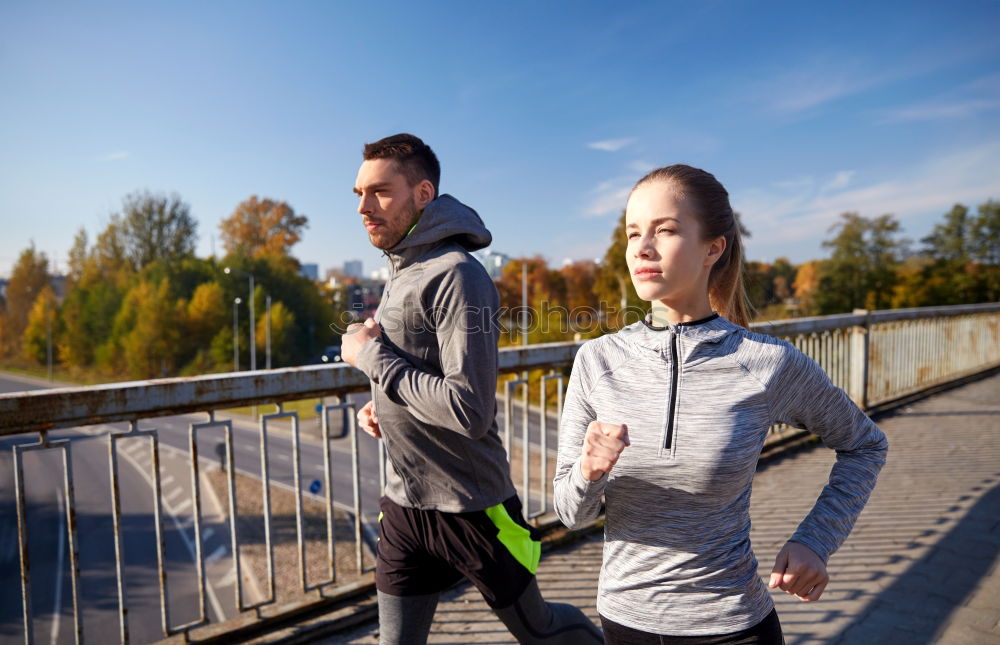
[310,270]
[381,275]
[493,262]
[335,278]
[3,288]
[354,269]
[58,283]
[363,298]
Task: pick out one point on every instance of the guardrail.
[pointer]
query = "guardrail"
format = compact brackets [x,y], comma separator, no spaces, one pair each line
[877,357]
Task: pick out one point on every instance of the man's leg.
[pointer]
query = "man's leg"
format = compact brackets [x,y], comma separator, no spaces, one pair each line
[499,552]
[405,620]
[407,577]
[532,621]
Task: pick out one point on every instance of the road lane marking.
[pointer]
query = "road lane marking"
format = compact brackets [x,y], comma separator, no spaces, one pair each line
[172,494]
[212,597]
[218,553]
[57,601]
[183,506]
[284,458]
[166,481]
[207,533]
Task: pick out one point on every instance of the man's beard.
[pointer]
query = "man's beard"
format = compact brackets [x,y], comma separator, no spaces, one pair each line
[388,237]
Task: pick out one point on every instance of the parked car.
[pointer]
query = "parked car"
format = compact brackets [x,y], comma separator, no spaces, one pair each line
[331,354]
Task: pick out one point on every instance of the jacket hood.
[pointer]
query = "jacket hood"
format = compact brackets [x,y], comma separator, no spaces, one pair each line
[643,335]
[446,218]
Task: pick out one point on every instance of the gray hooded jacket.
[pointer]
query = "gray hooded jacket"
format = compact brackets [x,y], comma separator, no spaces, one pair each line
[434,371]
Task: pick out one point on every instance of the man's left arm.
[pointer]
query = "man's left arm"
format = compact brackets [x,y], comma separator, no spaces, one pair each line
[462,398]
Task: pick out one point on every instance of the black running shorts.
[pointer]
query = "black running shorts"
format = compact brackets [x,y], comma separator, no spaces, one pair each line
[424,552]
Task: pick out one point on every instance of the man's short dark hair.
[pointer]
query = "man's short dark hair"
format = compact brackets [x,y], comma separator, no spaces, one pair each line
[415,158]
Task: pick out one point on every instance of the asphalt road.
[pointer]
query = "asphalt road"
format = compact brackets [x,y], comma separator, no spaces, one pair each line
[51,597]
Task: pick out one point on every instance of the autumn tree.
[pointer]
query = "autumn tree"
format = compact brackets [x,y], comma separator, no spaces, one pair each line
[28,278]
[282,334]
[147,331]
[579,279]
[41,326]
[262,227]
[546,316]
[805,286]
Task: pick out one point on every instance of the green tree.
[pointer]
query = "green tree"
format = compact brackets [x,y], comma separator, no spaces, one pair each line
[862,268]
[949,242]
[155,227]
[985,245]
[885,252]
[961,259]
[985,248]
[78,254]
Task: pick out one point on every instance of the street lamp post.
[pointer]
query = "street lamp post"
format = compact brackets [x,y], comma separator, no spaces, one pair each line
[48,337]
[253,344]
[236,335]
[268,336]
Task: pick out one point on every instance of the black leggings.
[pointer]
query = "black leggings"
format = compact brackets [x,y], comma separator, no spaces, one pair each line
[766,632]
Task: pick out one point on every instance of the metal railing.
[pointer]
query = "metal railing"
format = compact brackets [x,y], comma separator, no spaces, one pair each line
[877,357]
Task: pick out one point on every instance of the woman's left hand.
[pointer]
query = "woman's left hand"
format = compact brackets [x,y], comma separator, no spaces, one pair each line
[799,571]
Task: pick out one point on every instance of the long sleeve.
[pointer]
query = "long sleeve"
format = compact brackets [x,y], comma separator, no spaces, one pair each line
[462,397]
[576,500]
[804,396]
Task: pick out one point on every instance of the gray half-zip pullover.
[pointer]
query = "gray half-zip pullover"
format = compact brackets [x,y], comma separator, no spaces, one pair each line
[698,401]
[434,371]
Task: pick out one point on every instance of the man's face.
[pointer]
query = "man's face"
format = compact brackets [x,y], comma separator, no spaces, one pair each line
[387,203]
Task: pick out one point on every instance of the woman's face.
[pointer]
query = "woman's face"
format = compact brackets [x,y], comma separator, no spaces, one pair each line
[666,255]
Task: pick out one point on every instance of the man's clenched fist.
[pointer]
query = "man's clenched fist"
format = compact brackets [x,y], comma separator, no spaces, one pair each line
[356,335]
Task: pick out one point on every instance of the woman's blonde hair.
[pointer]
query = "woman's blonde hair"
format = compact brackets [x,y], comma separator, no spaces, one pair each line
[726,291]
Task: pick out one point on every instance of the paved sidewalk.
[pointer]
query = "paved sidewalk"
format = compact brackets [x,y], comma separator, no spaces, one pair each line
[921,567]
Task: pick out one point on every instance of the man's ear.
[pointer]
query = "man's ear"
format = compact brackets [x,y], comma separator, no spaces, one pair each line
[715,249]
[424,193]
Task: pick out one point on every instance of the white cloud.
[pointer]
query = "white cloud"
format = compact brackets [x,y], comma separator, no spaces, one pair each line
[641,167]
[114,156]
[963,102]
[816,83]
[840,180]
[612,145]
[608,198]
[937,111]
[800,212]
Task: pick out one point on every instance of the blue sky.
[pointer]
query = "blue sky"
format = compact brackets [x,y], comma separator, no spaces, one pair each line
[543,113]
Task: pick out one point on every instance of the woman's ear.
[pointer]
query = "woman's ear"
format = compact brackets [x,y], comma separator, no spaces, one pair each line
[424,193]
[715,250]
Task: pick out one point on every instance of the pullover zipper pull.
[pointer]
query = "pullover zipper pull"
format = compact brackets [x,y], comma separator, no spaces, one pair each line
[675,372]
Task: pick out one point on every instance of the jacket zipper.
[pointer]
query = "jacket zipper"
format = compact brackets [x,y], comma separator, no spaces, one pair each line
[378,319]
[674,378]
